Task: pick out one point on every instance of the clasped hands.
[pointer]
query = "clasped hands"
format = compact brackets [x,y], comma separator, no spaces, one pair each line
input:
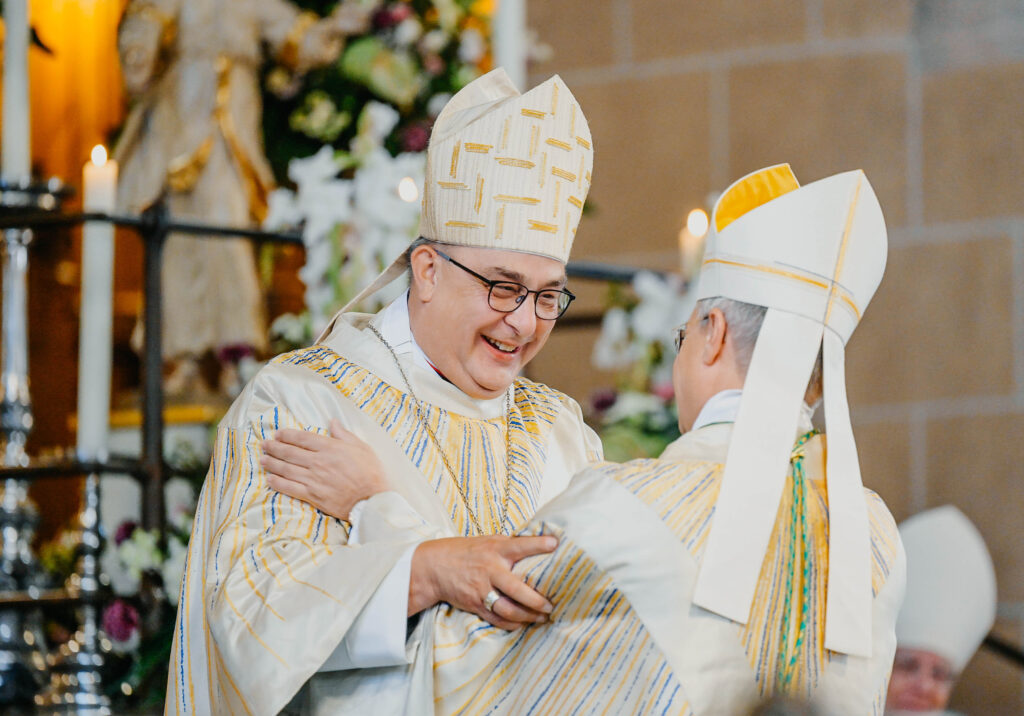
[334,472]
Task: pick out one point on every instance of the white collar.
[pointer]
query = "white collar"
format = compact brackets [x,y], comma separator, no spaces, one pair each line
[395,327]
[724,406]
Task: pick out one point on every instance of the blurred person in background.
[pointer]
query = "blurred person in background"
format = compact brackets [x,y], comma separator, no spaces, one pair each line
[949,608]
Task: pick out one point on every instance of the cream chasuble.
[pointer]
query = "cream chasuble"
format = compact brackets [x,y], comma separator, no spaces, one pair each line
[625,637]
[271,586]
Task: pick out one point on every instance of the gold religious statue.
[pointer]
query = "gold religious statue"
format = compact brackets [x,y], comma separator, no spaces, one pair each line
[194,135]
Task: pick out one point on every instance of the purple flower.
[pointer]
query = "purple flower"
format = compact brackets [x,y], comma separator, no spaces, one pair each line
[120,621]
[415,137]
[390,16]
[234,352]
[603,399]
[124,532]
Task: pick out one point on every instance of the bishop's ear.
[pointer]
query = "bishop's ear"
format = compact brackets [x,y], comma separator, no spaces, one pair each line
[423,263]
[713,333]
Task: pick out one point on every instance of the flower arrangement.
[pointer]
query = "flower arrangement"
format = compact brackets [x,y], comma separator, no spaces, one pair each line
[638,418]
[349,141]
[144,577]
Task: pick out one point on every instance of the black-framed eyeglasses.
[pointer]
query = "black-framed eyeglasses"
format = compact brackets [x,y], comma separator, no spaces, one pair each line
[680,334]
[507,296]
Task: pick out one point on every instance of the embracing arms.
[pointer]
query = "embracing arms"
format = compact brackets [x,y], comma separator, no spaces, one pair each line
[336,472]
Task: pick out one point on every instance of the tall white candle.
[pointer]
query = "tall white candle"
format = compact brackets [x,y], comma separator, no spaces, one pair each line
[509,37]
[16,147]
[96,337]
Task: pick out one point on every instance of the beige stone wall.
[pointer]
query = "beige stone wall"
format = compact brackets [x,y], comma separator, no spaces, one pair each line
[927,98]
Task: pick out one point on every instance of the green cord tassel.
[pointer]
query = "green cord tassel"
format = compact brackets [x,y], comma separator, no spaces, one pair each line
[788,656]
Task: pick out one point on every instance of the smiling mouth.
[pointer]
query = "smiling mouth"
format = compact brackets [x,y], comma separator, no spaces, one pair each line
[506,348]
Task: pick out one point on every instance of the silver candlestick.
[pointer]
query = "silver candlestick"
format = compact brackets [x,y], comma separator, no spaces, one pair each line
[22,669]
[15,403]
[76,685]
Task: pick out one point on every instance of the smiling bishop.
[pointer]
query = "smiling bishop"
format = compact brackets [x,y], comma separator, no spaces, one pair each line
[286,608]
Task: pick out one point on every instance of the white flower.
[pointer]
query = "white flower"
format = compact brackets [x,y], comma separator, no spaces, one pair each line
[664,304]
[123,582]
[613,349]
[631,403]
[434,41]
[282,210]
[314,169]
[248,367]
[662,373]
[322,200]
[376,190]
[173,569]
[140,552]
[291,328]
[324,205]
[180,496]
[408,31]
[436,103]
[471,46]
[375,124]
[657,311]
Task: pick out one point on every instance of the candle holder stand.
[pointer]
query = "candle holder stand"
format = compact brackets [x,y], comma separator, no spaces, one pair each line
[22,667]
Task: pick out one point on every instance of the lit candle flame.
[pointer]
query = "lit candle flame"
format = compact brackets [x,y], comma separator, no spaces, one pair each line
[99,155]
[407,190]
[697,222]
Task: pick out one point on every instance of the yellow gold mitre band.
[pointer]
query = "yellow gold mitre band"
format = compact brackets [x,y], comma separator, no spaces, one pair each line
[807,279]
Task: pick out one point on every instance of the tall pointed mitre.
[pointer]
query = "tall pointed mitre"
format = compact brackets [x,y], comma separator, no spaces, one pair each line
[813,256]
[950,602]
[504,171]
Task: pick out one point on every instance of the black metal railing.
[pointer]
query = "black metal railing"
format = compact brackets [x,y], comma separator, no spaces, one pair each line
[154,225]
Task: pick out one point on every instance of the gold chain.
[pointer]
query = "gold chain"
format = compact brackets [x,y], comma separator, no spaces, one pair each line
[440,450]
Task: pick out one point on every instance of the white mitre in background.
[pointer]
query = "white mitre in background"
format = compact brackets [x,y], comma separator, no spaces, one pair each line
[950,603]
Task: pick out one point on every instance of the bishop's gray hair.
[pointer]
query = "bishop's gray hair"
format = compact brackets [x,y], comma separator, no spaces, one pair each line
[744,321]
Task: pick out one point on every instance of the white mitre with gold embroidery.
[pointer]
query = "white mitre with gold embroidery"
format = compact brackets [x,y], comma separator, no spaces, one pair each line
[508,171]
[951,586]
[813,256]
[504,171]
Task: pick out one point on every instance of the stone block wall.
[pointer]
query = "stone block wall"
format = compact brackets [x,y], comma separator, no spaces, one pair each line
[926,97]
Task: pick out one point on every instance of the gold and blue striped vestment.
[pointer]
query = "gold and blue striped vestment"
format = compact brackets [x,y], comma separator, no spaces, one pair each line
[271,585]
[624,637]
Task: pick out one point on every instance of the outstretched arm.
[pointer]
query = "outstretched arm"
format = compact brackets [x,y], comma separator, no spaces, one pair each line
[335,472]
